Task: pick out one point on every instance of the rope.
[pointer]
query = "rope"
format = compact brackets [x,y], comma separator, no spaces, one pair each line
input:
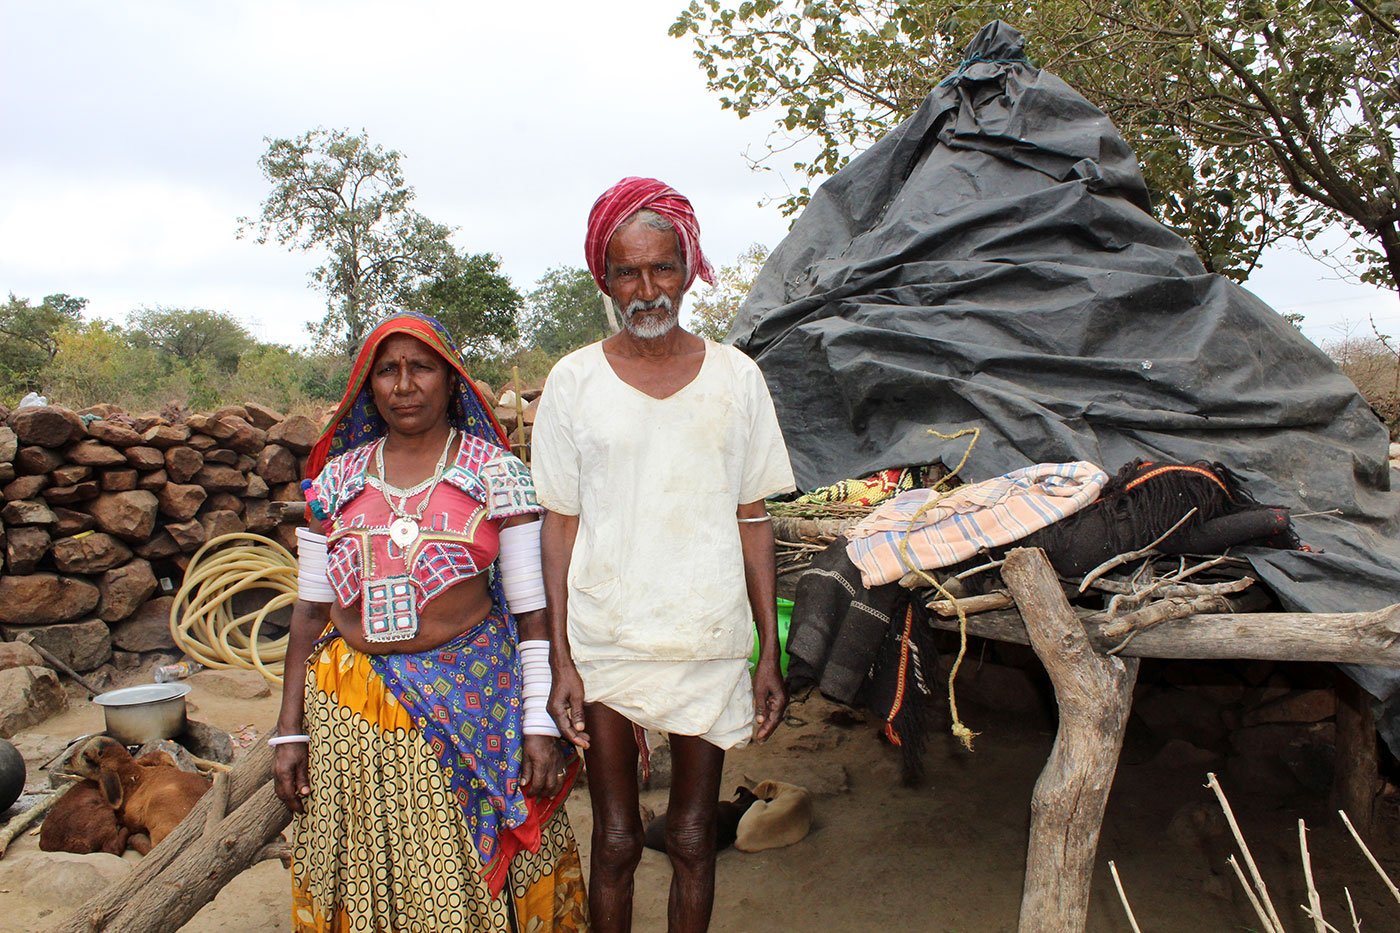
[202,620]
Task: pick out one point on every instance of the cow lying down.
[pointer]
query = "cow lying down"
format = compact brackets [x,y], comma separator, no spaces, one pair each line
[121,802]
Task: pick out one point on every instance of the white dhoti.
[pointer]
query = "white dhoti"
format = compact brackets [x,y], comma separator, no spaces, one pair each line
[709,699]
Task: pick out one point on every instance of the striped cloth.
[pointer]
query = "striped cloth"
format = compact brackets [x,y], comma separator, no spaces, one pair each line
[968,520]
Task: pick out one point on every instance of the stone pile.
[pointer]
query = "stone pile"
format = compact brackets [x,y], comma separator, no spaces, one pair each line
[515,408]
[99,505]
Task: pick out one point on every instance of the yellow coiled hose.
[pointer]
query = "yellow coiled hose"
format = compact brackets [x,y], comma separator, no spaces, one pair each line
[202,620]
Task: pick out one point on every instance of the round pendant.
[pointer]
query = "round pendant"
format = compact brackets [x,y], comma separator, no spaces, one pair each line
[403,531]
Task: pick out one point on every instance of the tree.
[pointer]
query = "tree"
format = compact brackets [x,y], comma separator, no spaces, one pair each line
[1253,121]
[565,311]
[190,336]
[712,311]
[337,193]
[30,334]
[477,303]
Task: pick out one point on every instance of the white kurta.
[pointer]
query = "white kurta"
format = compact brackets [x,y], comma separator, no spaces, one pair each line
[657,572]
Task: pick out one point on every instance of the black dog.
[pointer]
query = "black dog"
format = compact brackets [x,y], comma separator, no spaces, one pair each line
[727,816]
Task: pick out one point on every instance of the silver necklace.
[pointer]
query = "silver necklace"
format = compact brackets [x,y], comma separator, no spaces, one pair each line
[404,529]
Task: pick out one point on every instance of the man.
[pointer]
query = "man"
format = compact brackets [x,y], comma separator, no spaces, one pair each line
[653,452]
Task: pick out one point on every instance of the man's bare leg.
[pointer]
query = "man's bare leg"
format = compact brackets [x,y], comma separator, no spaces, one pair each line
[696,768]
[617,821]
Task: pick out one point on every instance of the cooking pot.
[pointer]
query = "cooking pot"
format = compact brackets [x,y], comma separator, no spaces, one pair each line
[137,715]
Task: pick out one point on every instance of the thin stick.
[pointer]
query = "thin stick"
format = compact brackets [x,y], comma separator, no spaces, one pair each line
[21,822]
[1370,858]
[1351,908]
[1263,889]
[1253,898]
[1118,883]
[1122,559]
[218,806]
[1325,927]
[1314,907]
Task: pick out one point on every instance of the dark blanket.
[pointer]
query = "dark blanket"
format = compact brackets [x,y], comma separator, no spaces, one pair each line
[991,262]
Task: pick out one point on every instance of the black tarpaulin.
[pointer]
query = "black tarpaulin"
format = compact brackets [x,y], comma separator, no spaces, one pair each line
[991,262]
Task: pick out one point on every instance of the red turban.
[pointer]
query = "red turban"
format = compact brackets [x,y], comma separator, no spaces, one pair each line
[623,200]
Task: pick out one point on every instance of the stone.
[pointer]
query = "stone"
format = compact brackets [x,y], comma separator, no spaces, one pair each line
[216,478]
[7,472]
[24,548]
[70,523]
[83,646]
[1173,713]
[213,427]
[130,516]
[236,685]
[202,442]
[1301,706]
[188,536]
[221,522]
[85,491]
[179,501]
[207,742]
[42,426]
[260,416]
[35,460]
[165,436]
[276,464]
[27,512]
[69,474]
[43,598]
[89,553]
[182,462]
[124,589]
[288,492]
[125,660]
[245,438]
[286,535]
[147,629]
[157,547]
[119,480]
[153,481]
[100,410]
[224,501]
[257,487]
[259,516]
[222,456]
[145,458]
[18,654]
[244,464]
[62,879]
[1179,753]
[24,487]
[28,696]
[237,411]
[9,444]
[95,453]
[297,433]
[113,433]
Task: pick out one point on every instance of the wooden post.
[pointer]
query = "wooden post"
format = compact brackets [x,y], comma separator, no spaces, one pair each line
[1094,693]
[1356,781]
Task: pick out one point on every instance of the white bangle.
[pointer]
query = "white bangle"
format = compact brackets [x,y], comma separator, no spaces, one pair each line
[536,681]
[519,567]
[761,518]
[289,739]
[313,582]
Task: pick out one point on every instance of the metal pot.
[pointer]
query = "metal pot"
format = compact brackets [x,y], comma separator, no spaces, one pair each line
[137,715]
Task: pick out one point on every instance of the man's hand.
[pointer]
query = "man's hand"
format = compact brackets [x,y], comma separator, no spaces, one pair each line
[566,704]
[289,775]
[542,771]
[769,700]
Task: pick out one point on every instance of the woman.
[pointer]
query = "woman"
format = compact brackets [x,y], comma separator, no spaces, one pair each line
[413,743]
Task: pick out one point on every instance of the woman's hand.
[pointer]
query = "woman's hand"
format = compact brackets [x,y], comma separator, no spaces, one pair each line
[566,704]
[542,772]
[289,775]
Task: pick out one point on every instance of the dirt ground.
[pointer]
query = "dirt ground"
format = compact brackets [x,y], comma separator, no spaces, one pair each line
[946,855]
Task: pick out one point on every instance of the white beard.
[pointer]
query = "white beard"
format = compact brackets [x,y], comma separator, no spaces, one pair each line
[651,327]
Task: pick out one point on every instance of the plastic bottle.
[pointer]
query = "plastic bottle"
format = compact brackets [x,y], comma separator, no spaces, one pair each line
[177,671]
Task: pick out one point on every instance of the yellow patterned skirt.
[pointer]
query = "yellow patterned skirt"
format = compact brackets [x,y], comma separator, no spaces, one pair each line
[383,845]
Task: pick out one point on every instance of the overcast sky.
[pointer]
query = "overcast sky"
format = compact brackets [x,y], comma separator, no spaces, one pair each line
[130,134]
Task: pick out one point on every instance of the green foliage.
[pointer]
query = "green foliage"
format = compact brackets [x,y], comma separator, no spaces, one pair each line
[336,193]
[191,337]
[477,303]
[564,312]
[93,362]
[29,337]
[1253,122]
[712,310]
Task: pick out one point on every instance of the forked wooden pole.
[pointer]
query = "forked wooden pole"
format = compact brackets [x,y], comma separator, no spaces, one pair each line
[1094,693]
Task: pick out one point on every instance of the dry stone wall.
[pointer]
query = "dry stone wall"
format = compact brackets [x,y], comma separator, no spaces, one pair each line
[99,505]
